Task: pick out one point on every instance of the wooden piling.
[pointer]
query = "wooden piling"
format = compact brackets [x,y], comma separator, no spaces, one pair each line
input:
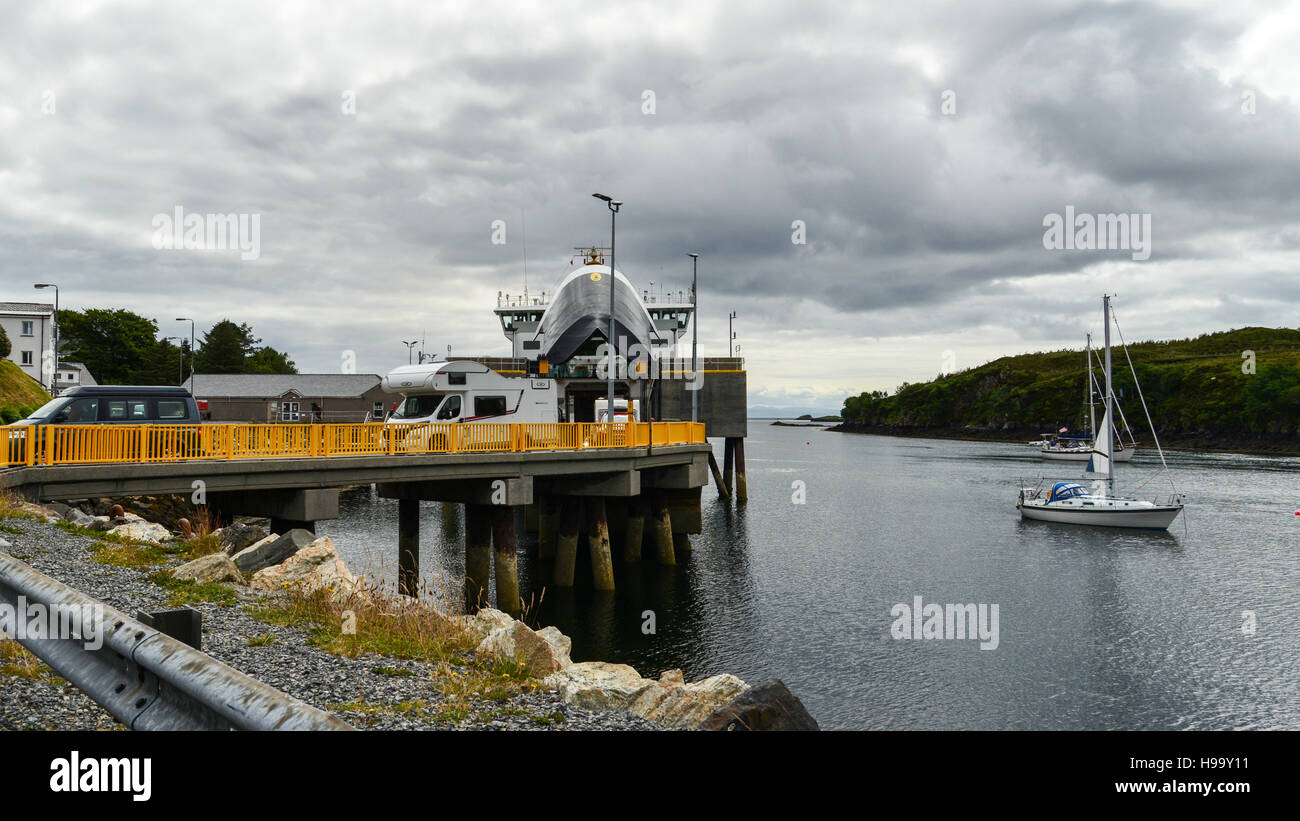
[602,563]
[566,541]
[635,532]
[548,519]
[742,487]
[728,461]
[717,477]
[408,547]
[505,562]
[664,532]
[478,555]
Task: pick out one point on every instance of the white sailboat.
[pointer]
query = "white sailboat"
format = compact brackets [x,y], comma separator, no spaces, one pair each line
[1065,447]
[1072,503]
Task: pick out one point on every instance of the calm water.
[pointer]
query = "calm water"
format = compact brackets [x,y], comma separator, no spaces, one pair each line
[1097,629]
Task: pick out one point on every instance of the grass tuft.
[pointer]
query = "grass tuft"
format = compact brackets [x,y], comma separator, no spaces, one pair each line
[188,591]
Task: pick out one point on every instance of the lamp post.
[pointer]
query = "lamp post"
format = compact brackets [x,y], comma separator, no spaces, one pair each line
[180,360]
[410,346]
[613,216]
[54,375]
[731,335]
[193,392]
[695,335]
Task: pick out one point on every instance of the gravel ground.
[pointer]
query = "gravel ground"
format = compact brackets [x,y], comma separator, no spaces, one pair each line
[392,700]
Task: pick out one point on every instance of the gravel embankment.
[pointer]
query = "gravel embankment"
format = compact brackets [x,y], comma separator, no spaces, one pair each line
[393,701]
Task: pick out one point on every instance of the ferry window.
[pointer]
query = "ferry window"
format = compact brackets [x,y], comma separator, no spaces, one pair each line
[171,409]
[450,408]
[489,405]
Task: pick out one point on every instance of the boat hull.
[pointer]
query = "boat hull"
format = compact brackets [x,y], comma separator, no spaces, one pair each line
[1082,455]
[1145,517]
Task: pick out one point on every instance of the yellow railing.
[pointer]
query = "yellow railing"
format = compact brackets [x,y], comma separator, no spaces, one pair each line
[92,444]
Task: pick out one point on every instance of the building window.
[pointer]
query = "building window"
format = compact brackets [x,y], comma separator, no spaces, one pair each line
[379,410]
[29,328]
[27,357]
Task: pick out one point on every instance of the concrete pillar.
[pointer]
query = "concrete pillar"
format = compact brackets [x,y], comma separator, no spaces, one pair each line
[282,526]
[742,488]
[408,547]
[478,555]
[602,563]
[728,461]
[664,532]
[635,531]
[717,477]
[681,543]
[504,547]
[566,541]
[548,519]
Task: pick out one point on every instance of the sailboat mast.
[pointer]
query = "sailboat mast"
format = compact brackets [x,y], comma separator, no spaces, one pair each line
[1110,445]
[1087,390]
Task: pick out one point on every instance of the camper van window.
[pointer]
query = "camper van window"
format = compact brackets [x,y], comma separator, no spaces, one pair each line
[417,407]
[450,408]
[489,405]
[455,379]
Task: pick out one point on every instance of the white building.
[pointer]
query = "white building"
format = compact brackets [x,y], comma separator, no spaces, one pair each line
[30,328]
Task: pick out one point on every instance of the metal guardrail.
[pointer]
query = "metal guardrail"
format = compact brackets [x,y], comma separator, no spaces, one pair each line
[97,444]
[147,679]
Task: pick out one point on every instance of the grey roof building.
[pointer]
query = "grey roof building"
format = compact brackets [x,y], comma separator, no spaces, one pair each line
[269,397]
[30,328]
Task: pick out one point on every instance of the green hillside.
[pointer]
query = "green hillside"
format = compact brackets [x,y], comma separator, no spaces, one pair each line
[19,393]
[1192,387]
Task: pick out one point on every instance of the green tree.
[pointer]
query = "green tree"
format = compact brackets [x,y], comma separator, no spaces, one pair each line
[226,348]
[269,360]
[113,343]
[5,347]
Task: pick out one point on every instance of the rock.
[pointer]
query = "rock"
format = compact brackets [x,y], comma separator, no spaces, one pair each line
[238,536]
[689,705]
[215,567]
[535,651]
[102,523]
[598,685]
[315,567]
[768,705]
[40,512]
[4,544]
[141,531]
[78,518]
[60,508]
[272,551]
[561,645]
[484,622]
[672,678]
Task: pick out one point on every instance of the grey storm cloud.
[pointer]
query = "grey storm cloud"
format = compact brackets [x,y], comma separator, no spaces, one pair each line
[920,225]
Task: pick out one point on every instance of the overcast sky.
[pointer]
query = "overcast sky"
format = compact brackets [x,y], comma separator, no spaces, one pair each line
[921,145]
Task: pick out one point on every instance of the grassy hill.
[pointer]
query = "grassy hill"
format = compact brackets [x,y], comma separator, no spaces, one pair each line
[19,393]
[1193,387]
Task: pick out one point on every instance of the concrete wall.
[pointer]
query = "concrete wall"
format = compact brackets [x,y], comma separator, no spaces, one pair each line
[723,403]
[40,341]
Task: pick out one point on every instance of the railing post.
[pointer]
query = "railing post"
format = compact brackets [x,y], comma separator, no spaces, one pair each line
[230,441]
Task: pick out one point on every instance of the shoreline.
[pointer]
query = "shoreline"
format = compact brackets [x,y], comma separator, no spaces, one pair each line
[1201,443]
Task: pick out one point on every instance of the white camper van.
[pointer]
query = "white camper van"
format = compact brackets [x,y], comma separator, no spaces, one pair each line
[465,391]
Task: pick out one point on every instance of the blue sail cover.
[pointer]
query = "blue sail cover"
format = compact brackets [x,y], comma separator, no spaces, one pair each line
[1066,490]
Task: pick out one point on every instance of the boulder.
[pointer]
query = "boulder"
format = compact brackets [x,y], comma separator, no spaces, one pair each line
[39,512]
[215,567]
[315,567]
[271,551]
[141,531]
[598,685]
[535,651]
[78,518]
[484,622]
[561,645]
[768,705]
[5,544]
[102,523]
[686,706]
[239,536]
[60,508]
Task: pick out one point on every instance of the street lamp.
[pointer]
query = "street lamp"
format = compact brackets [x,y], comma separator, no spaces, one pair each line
[410,346]
[192,377]
[54,377]
[613,216]
[180,360]
[695,335]
[731,335]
